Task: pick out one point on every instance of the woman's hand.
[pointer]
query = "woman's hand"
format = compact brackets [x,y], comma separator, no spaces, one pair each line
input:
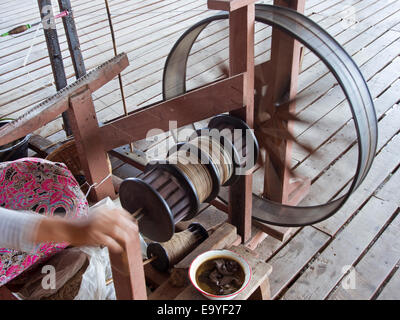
[109,227]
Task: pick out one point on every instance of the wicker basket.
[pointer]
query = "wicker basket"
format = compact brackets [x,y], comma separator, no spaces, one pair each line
[68,154]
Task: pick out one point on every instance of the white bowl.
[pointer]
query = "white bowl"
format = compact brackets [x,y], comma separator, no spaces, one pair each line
[220,254]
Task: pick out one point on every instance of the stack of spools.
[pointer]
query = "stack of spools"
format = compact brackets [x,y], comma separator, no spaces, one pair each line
[172,190]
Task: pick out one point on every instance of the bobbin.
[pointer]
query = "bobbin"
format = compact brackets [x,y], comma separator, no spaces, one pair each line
[236,144]
[163,261]
[165,196]
[226,143]
[209,164]
[223,121]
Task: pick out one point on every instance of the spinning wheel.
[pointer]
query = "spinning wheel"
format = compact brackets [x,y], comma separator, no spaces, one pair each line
[233,95]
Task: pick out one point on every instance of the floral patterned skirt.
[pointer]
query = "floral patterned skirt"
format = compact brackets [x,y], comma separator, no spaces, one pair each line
[43,187]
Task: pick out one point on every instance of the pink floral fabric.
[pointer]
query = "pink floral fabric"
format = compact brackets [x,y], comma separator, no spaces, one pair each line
[43,187]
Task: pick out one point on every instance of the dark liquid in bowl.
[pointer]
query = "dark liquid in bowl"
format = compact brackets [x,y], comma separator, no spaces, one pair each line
[220,276]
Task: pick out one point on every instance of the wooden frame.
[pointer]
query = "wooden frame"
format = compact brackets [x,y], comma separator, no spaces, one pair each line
[220,97]
[234,94]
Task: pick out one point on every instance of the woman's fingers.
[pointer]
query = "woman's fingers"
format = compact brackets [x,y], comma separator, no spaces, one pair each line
[124,213]
[115,226]
[111,228]
[123,220]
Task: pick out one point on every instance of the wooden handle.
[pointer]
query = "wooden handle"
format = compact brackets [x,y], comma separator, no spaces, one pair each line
[19,29]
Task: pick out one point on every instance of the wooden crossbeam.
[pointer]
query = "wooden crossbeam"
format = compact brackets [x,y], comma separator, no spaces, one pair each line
[51,108]
[197,105]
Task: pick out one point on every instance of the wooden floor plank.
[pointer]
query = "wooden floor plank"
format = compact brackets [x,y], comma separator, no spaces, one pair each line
[339,174]
[94,59]
[365,48]
[287,263]
[377,264]
[396,27]
[141,35]
[270,246]
[325,92]
[384,163]
[88,30]
[330,150]
[378,80]
[391,290]
[329,267]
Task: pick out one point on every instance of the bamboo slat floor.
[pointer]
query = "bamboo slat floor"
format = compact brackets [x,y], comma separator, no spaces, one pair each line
[353,255]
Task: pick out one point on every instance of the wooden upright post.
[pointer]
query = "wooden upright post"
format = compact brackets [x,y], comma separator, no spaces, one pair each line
[128,272]
[284,70]
[55,55]
[92,155]
[241,59]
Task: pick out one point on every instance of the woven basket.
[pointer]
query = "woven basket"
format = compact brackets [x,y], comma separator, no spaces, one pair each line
[68,154]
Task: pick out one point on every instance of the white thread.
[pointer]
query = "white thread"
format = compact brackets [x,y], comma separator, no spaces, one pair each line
[29,54]
[95,185]
[31,46]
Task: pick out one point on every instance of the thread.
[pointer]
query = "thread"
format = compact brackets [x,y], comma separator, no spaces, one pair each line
[191,175]
[180,244]
[175,249]
[218,154]
[95,185]
[166,254]
[27,26]
[196,172]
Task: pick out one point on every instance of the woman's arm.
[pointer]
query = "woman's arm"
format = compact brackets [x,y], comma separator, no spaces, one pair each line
[21,230]
[17,229]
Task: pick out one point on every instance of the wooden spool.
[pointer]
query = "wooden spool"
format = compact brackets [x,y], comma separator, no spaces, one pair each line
[167,193]
[165,196]
[245,146]
[208,164]
[167,254]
